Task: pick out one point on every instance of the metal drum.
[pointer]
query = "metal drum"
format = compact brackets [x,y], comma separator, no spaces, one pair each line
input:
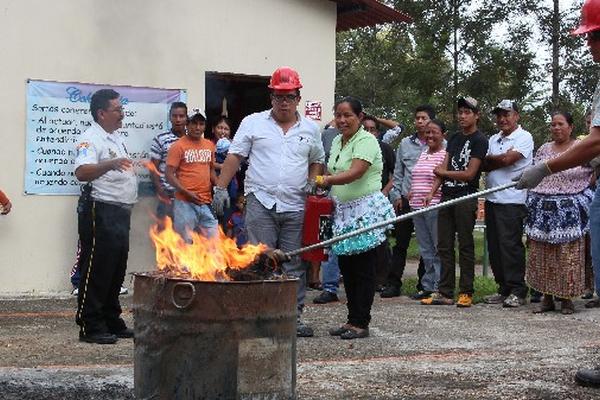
[214,340]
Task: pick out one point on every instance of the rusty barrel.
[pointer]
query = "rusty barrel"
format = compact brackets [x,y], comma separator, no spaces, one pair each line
[214,340]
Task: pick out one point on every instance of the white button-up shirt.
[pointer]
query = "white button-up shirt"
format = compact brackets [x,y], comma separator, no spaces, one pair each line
[96,145]
[278,163]
[521,141]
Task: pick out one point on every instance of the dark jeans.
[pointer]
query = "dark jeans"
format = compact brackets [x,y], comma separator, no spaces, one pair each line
[384,257]
[504,228]
[358,271]
[456,220]
[104,237]
[402,233]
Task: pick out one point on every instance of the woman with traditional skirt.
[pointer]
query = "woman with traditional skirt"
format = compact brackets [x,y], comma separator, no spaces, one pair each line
[355,166]
[557,223]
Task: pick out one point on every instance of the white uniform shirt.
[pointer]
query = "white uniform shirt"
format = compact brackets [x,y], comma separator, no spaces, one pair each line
[96,145]
[278,162]
[521,141]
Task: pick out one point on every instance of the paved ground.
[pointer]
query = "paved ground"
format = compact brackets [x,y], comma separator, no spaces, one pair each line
[414,352]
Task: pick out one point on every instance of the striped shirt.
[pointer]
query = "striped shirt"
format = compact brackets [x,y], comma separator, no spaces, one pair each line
[158,151]
[423,176]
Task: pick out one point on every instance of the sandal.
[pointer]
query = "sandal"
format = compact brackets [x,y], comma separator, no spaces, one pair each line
[355,333]
[567,307]
[339,331]
[547,305]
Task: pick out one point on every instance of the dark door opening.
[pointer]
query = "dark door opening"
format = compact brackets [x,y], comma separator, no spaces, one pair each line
[237,94]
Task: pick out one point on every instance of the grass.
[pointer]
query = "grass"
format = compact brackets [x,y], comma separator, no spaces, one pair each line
[483,286]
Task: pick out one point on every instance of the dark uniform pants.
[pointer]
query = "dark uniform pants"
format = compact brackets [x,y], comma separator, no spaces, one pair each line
[104,236]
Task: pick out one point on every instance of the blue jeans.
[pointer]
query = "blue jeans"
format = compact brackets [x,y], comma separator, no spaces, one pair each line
[595,238]
[193,217]
[281,230]
[426,232]
[331,273]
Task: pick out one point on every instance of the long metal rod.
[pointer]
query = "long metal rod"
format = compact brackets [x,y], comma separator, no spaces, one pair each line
[400,218]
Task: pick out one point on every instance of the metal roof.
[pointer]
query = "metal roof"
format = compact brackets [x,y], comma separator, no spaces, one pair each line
[359,13]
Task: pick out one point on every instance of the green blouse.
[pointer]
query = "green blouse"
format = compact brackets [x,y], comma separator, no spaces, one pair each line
[363,146]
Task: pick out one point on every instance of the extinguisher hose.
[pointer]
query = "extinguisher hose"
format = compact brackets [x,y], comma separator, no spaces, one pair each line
[403,217]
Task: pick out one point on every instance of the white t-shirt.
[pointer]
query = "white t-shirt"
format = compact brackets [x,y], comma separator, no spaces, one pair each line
[521,141]
[96,145]
[277,162]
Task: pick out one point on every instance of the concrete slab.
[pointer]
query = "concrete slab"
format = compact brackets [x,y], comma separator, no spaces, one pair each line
[414,352]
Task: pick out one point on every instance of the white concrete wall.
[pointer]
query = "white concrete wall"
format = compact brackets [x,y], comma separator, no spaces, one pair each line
[167,44]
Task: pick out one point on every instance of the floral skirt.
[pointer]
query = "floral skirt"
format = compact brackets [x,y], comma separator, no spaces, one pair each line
[560,218]
[360,213]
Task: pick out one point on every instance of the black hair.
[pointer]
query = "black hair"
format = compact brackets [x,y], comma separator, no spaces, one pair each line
[178,104]
[222,118]
[101,100]
[355,104]
[372,118]
[439,123]
[426,108]
[567,115]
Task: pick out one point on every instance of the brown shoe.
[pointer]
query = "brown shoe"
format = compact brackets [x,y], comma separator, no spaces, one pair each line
[567,307]
[547,305]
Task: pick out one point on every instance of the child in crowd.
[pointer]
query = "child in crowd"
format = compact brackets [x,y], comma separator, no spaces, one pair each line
[190,170]
[236,228]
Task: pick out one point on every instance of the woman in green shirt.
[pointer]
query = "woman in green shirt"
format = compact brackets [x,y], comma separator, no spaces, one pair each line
[355,166]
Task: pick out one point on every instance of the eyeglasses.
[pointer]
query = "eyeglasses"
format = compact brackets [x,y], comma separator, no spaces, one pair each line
[281,97]
[118,110]
[592,36]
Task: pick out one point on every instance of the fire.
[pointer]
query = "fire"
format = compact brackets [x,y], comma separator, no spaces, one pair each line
[204,259]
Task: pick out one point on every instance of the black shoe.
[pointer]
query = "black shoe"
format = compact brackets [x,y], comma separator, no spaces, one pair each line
[420,295]
[588,295]
[98,338]
[126,333]
[339,331]
[355,334]
[304,330]
[535,297]
[325,297]
[594,303]
[390,291]
[588,377]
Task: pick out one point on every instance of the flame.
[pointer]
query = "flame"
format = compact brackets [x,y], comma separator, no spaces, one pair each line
[204,259]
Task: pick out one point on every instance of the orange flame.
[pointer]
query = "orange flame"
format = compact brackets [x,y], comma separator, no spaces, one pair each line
[204,259]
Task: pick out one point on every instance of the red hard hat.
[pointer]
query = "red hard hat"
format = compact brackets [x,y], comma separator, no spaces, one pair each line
[285,78]
[590,17]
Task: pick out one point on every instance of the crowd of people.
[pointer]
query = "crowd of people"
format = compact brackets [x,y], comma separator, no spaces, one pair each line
[373,171]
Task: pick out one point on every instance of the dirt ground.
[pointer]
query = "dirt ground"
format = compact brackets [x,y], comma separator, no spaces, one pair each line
[414,352]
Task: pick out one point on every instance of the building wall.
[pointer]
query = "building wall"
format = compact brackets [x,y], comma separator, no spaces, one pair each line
[165,44]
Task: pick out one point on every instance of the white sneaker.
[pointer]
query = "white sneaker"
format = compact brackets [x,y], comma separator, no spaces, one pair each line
[123,290]
[75,292]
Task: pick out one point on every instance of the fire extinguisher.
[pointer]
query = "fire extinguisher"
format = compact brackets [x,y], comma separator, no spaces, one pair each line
[317,225]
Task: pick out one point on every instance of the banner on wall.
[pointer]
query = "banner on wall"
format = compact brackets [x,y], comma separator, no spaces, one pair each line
[59,112]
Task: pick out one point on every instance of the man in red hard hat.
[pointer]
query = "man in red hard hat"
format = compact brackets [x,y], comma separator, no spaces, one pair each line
[284,152]
[582,152]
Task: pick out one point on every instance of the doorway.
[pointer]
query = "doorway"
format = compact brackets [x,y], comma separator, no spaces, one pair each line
[234,95]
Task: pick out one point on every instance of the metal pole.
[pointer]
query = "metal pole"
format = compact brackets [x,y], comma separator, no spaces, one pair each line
[400,218]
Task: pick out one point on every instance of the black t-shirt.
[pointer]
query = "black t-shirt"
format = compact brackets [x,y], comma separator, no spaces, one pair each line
[461,148]
[389,162]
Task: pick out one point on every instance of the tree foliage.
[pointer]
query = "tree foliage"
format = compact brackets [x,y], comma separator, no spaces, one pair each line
[487,49]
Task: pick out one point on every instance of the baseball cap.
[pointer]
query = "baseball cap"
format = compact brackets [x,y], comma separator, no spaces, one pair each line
[468,102]
[506,105]
[196,114]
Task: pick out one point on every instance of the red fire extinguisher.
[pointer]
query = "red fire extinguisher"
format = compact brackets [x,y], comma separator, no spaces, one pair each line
[317,225]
